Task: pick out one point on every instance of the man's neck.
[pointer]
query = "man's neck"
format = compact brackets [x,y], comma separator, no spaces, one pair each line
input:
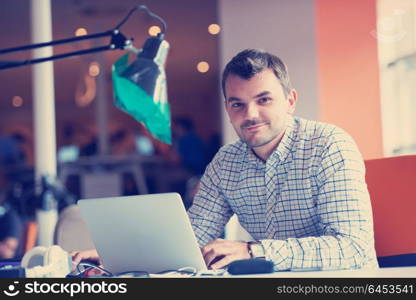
[265,151]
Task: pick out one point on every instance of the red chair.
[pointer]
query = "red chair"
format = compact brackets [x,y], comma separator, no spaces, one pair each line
[392,186]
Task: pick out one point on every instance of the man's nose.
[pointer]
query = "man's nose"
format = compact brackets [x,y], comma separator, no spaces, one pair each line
[252,112]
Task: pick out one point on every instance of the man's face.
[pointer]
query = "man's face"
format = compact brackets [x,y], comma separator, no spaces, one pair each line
[258,108]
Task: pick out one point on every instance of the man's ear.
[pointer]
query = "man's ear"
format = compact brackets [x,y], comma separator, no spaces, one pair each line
[292,98]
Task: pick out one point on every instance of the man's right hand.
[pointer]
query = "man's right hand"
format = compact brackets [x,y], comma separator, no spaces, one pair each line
[78,256]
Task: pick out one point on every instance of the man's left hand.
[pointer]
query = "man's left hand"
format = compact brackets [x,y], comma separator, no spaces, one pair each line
[219,253]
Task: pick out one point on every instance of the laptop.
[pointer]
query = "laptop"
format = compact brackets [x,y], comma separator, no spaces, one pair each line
[149,233]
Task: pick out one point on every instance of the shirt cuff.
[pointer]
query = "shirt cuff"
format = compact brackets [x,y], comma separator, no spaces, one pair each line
[279,253]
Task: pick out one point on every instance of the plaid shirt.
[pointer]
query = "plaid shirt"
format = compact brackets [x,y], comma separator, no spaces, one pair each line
[308,203]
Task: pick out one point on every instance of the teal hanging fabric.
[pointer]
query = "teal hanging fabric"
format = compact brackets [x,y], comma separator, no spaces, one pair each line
[147,105]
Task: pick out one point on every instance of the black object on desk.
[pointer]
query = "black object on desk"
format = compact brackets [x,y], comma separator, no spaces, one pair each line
[250,266]
[12,272]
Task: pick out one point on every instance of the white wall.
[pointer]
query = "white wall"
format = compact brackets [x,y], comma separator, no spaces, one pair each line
[285,28]
[396,38]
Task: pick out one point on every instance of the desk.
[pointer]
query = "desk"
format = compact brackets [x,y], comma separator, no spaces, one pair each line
[401,272]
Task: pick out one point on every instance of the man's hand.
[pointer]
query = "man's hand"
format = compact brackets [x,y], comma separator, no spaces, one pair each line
[219,253]
[78,256]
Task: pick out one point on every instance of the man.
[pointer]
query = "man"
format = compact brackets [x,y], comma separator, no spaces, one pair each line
[297,186]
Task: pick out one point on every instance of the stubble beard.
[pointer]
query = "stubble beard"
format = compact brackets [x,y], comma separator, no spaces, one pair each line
[254,142]
[259,143]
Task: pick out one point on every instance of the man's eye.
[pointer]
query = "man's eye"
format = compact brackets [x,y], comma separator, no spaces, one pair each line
[264,100]
[236,105]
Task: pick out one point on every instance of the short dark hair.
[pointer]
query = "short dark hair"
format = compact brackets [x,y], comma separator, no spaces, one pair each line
[250,62]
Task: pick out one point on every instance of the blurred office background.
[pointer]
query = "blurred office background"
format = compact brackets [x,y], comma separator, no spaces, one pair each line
[353,64]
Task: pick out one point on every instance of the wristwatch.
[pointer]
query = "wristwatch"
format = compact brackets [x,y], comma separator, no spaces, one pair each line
[256,249]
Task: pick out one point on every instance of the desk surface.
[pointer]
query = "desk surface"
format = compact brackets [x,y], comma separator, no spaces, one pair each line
[403,272]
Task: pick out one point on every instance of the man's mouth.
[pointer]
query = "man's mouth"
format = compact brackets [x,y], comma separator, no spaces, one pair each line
[253,127]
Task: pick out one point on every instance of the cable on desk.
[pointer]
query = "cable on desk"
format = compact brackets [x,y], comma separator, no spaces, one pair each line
[88,267]
[185,271]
